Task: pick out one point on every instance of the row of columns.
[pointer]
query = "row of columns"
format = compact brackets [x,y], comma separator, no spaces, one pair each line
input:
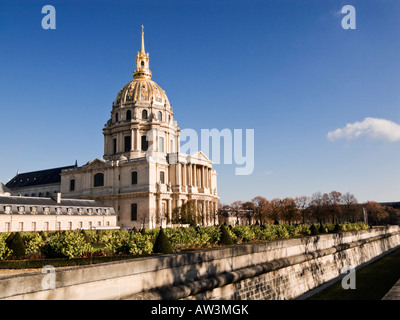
[196,175]
[170,141]
[206,211]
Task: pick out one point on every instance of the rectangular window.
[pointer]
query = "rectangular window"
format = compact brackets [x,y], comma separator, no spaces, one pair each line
[134,177]
[161,144]
[145,143]
[72,185]
[162,177]
[114,145]
[127,141]
[133,211]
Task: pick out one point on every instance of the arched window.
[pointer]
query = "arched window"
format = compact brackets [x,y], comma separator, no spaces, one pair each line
[159,116]
[144,114]
[128,115]
[116,117]
[98,180]
[142,64]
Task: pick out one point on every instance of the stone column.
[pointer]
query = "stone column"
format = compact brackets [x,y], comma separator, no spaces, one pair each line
[170,210]
[137,139]
[194,172]
[132,140]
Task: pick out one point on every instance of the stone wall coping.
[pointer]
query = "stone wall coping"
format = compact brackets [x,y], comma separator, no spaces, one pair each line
[226,259]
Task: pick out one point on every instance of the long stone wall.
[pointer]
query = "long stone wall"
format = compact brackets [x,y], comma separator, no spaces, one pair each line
[284,269]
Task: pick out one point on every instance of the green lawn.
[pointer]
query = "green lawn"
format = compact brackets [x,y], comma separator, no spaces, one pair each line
[372,281]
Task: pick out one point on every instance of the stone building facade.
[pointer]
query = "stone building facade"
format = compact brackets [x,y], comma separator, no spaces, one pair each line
[19,213]
[142,173]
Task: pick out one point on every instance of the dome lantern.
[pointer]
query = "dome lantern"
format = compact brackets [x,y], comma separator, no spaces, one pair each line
[142,63]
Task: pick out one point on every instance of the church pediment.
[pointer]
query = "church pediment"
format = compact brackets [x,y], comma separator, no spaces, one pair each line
[200,156]
[96,164]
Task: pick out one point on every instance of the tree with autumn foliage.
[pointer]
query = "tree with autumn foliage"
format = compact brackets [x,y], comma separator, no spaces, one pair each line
[376,213]
[274,212]
[261,208]
[289,211]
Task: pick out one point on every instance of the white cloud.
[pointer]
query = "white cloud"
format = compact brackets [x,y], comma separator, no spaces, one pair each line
[374,128]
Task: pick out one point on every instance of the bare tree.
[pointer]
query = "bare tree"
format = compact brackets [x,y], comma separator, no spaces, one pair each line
[317,206]
[351,210]
[249,210]
[335,201]
[302,203]
[236,207]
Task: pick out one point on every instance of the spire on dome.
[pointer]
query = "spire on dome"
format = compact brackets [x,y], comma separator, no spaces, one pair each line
[142,62]
[142,44]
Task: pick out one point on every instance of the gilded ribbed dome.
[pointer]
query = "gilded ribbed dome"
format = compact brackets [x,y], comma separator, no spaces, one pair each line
[141,90]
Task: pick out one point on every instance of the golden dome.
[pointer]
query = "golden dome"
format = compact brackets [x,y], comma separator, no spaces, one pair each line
[141,90]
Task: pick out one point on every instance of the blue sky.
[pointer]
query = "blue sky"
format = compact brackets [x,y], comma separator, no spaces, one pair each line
[285,68]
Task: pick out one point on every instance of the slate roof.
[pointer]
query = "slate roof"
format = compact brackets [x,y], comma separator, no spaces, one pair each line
[4,189]
[36,178]
[40,201]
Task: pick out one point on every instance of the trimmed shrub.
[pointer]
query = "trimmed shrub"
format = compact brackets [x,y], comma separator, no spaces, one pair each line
[4,250]
[15,243]
[337,228]
[244,233]
[85,236]
[33,241]
[281,231]
[322,229]
[264,232]
[69,244]
[226,238]
[314,231]
[162,244]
